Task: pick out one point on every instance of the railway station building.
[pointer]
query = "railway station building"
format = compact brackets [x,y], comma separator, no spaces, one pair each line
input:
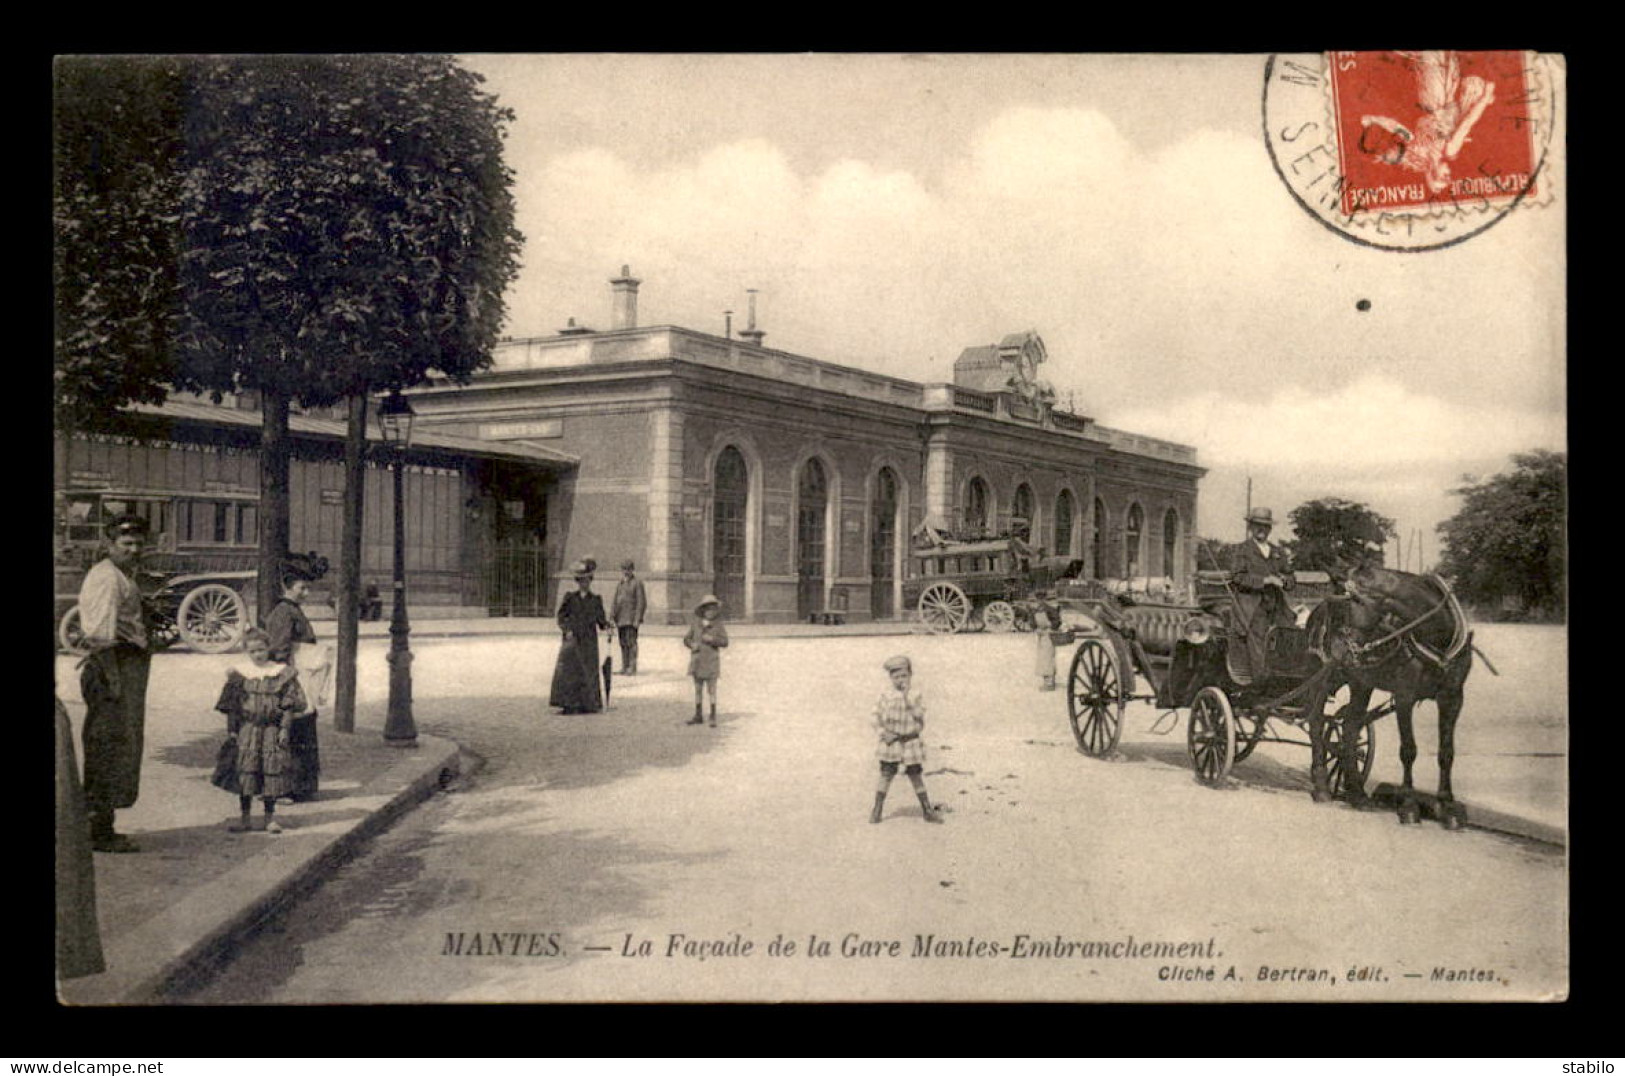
[785,484]
[789,485]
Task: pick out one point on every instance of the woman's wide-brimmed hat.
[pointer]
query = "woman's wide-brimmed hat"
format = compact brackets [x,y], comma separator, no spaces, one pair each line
[709,599]
[582,567]
[253,635]
[1261,515]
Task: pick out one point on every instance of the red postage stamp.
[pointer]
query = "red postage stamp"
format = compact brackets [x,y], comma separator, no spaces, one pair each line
[1433,131]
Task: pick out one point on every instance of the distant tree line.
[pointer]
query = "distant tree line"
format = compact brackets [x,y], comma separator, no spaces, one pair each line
[1505,551]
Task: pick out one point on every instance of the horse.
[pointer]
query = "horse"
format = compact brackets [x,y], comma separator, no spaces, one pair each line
[1404,634]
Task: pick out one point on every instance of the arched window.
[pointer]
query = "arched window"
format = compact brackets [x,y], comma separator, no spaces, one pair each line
[883,544]
[731,499]
[976,505]
[1021,507]
[1097,541]
[1133,536]
[1063,524]
[812,506]
[1170,545]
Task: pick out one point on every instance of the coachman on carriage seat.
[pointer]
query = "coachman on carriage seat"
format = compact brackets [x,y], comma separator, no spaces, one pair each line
[1260,575]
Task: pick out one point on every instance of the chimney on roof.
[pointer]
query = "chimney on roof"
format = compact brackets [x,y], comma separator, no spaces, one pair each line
[752,335]
[727,324]
[573,329]
[625,314]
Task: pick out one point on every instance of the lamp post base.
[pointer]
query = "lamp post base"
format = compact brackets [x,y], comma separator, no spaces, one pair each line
[400,729]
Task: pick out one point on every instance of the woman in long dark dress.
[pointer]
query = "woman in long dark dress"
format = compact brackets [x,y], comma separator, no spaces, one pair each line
[78,939]
[293,642]
[576,689]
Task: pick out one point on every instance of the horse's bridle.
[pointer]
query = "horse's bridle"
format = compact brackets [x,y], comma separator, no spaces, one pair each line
[1358,650]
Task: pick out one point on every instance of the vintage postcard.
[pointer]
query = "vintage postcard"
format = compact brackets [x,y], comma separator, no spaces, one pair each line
[914,527]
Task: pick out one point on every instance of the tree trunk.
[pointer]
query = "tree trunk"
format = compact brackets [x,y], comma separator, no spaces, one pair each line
[355,473]
[275,450]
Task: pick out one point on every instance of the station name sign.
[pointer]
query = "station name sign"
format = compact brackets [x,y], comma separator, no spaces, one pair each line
[510,431]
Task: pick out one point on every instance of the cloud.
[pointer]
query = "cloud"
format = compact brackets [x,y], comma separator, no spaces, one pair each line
[1183,273]
[1371,425]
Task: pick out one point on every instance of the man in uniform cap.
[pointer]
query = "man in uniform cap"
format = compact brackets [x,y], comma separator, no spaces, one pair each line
[1260,575]
[626,609]
[113,681]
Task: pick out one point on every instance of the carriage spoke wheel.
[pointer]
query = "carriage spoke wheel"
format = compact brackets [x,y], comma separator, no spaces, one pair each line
[70,633]
[212,618]
[1365,752]
[999,616]
[1211,734]
[944,608]
[1094,699]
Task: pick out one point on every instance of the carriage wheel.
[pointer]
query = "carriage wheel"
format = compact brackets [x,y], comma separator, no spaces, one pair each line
[999,616]
[212,618]
[1095,699]
[70,634]
[1211,734]
[944,608]
[1365,752]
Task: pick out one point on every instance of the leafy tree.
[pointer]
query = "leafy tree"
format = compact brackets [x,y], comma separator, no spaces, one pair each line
[1508,540]
[307,228]
[117,153]
[1332,532]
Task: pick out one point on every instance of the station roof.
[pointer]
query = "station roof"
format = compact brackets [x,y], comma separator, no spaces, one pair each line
[183,410]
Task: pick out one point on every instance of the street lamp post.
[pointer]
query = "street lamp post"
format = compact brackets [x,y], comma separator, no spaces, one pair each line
[400,730]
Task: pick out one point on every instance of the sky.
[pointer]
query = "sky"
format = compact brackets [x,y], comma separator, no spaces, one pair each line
[894,210]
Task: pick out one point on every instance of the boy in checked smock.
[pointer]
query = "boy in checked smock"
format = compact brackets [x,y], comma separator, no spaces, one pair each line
[900,722]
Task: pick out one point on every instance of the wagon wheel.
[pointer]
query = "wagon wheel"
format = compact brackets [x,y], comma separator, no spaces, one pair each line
[1211,734]
[999,616]
[70,634]
[1365,752]
[1095,699]
[212,618]
[944,608]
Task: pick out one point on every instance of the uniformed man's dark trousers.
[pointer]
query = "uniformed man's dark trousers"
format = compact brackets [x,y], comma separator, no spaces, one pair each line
[629,647]
[114,685]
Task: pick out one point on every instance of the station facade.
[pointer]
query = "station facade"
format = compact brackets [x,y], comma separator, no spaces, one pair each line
[786,485]
[789,485]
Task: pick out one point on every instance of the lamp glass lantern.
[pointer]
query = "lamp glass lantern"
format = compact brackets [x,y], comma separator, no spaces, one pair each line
[395,416]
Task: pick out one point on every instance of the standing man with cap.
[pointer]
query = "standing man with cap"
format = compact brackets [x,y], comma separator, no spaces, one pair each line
[626,610]
[1260,575]
[113,681]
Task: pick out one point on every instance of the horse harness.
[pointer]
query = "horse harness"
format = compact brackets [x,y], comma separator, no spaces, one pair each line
[1360,652]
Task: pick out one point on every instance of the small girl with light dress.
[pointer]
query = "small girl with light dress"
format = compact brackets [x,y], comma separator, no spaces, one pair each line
[260,699]
[900,723]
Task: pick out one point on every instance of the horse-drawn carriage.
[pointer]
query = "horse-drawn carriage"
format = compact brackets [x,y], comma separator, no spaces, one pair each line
[1387,630]
[969,583]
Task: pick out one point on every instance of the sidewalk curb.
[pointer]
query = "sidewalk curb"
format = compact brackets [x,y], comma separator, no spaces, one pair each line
[170,953]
